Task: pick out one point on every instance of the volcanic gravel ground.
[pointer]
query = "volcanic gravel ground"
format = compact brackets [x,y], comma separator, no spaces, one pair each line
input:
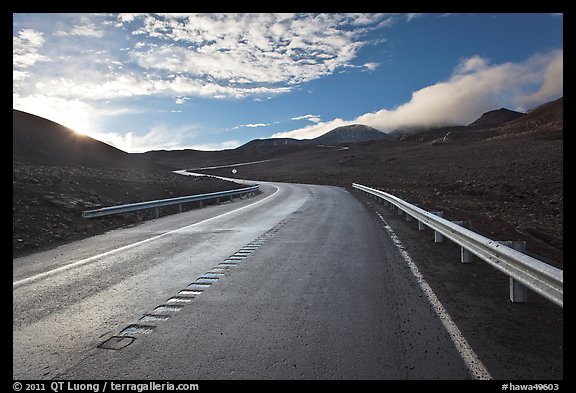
[48,200]
[509,185]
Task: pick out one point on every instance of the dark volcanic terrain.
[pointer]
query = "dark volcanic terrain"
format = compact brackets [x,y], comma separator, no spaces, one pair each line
[57,173]
[504,172]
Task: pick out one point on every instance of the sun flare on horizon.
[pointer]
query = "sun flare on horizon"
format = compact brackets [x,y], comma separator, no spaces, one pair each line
[76,121]
[74,115]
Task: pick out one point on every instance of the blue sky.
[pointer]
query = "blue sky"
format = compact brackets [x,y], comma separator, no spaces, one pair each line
[146,82]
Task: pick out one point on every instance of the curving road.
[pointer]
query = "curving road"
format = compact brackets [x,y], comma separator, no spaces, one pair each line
[299,282]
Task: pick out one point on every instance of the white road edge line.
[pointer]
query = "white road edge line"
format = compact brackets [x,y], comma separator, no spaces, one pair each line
[475,366]
[16,284]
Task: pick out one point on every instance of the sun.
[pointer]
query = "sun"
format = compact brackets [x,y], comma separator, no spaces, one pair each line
[77,121]
[78,129]
[76,115]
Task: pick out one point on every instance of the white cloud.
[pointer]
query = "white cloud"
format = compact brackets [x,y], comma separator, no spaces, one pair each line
[371,66]
[251,125]
[85,118]
[125,85]
[119,141]
[158,137]
[161,137]
[82,30]
[471,64]
[244,52]
[312,118]
[475,87]
[127,17]
[18,75]
[551,82]
[232,144]
[412,15]
[366,19]
[187,55]
[312,131]
[25,48]
[224,56]
[31,37]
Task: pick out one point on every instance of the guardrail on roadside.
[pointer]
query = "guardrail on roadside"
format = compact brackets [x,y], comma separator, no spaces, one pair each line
[524,271]
[171,201]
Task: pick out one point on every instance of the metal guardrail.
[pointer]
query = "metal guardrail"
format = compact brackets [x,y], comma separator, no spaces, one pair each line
[167,202]
[539,276]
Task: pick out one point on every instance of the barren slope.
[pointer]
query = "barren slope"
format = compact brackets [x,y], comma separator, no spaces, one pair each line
[507,179]
[57,173]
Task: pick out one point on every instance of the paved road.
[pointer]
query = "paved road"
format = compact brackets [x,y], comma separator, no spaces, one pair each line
[301,282]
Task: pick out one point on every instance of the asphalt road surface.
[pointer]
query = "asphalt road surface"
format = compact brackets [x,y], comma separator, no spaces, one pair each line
[299,282]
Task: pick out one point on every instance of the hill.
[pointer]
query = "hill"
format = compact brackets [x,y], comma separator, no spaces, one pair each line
[496,118]
[39,141]
[544,118]
[354,133]
[271,143]
[507,179]
[57,173]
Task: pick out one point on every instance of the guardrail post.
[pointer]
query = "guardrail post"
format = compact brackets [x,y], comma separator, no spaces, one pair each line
[156,212]
[518,291]
[438,237]
[465,255]
[421,226]
[200,204]
[179,208]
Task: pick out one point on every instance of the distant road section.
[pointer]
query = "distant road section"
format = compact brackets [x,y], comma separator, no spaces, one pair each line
[227,166]
[299,282]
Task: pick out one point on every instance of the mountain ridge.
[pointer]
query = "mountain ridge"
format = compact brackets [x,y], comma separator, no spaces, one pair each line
[40,141]
[44,142]
[508,178]
[496,117]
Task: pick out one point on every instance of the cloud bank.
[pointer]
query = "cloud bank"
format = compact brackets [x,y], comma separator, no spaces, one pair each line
[78,68]
[180,55]
[474,87]
[160,137]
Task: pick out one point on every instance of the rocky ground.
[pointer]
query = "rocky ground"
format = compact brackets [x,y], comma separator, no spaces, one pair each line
[509,185]
[514,341]
[507,179]
[48,200]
